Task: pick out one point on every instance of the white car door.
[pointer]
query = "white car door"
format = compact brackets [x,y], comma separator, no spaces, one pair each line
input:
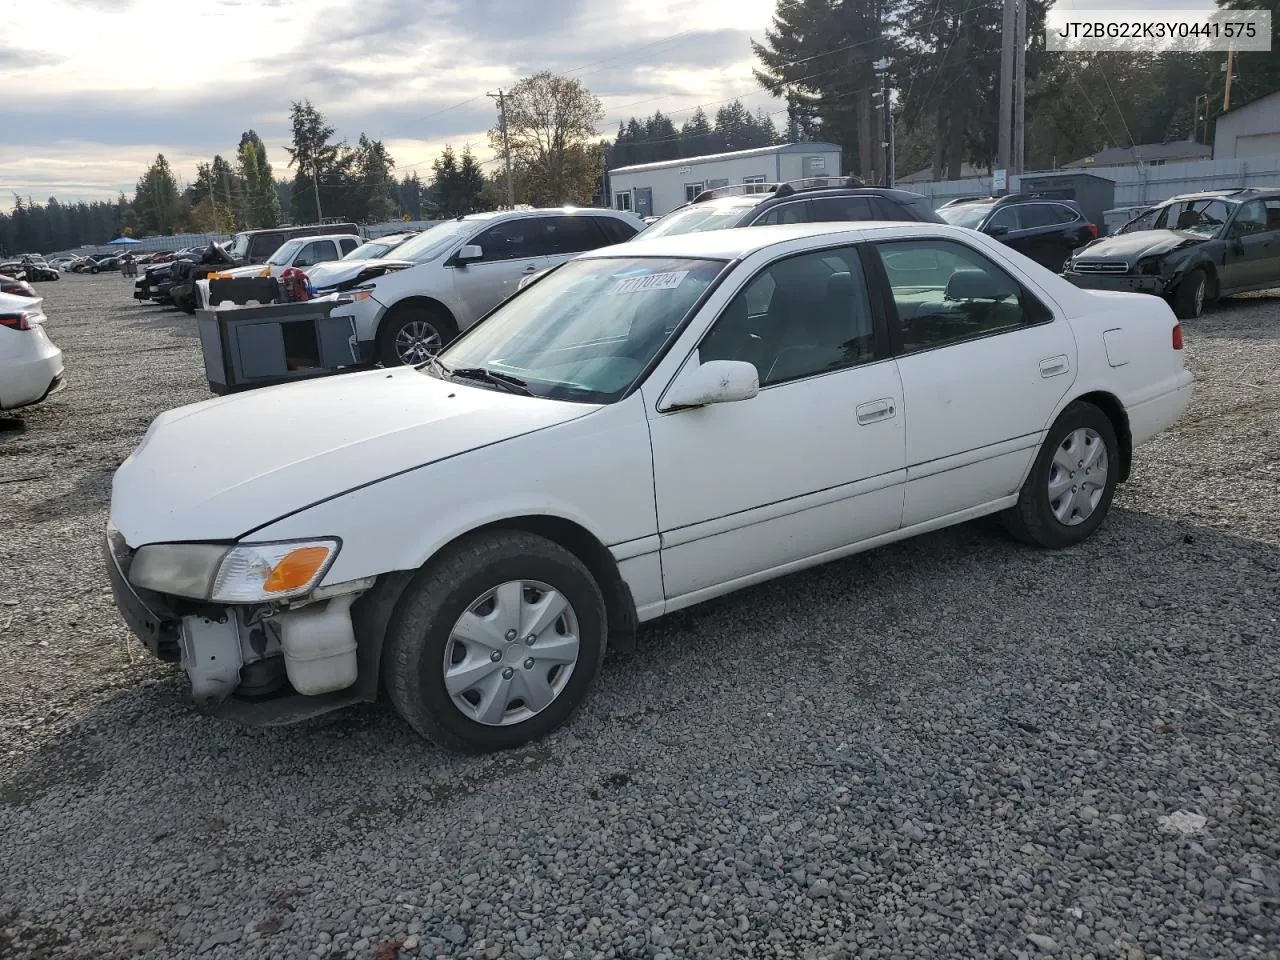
[812,464]
[984,364]
[513,250]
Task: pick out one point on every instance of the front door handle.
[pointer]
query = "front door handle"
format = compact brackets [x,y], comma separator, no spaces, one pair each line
[1054,366]
[876,410]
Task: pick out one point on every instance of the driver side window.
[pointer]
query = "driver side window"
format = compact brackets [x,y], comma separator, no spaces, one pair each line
[800,317]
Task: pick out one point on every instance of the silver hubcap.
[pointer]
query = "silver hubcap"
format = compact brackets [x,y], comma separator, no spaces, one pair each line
[511,653]
[417,341]
[1078,476]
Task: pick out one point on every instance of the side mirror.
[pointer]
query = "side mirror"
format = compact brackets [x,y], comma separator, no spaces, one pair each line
[997,231]
[716,381]
[468,254]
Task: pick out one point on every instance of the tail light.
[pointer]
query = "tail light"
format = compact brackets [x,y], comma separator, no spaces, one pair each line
[16,321]
[1177,336]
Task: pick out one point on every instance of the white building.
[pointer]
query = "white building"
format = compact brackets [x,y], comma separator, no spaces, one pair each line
[654,189]
[1249,131]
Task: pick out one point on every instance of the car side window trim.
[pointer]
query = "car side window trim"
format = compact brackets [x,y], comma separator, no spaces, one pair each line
[878,277]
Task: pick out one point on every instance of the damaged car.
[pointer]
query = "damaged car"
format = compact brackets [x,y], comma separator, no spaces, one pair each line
[1191,250]
[466,536]
[367,262]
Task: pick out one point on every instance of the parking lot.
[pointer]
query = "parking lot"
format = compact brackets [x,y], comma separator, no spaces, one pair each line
[951,747]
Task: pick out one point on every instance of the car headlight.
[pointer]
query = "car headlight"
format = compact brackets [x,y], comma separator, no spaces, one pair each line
[1149,266]
[247,573]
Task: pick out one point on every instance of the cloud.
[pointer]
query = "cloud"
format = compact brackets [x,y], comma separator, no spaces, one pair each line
[413,73]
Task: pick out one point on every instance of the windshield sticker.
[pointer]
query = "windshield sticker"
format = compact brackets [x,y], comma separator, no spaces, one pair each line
[654,281]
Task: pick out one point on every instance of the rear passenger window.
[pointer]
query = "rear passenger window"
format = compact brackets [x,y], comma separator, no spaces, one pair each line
[573,235]
[796,212]
[829,209]
[348,244]
[1040,215]
[945,292]
[1007,218]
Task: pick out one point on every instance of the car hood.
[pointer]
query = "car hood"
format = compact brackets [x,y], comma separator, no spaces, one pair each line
[342,271]
[219,469]
[1140,243]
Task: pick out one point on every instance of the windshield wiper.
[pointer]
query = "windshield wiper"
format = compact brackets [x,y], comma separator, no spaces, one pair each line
[505,380]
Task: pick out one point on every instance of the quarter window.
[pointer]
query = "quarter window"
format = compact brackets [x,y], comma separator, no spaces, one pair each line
[800,317]
[1039,215]
[348,244]
[944,292]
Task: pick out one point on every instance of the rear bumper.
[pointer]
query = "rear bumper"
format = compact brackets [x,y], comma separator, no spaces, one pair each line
[1125,283]
[1156,414]
[32,378]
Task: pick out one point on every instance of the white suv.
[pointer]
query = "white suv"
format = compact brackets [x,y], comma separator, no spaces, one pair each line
[466,267]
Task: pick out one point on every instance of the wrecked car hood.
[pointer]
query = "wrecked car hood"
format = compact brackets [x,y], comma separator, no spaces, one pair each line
[218,469]
[1140,243]
[344,271]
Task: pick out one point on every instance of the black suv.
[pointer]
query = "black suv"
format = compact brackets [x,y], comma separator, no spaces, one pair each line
[1043,228]
[819,200]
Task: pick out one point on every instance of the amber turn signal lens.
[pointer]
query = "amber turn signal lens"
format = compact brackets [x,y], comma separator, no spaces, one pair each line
[296,569]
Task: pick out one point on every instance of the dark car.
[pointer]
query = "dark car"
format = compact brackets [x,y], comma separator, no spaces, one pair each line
[1043,228]
[1191,250]
[820,200]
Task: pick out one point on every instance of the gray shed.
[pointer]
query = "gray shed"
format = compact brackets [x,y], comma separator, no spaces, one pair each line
[1096,195]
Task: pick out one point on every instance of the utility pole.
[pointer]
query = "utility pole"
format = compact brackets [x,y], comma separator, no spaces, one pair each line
[1003,141]
[883,66]
[1020,88]
[506,146]
[315,182]
[1226,92]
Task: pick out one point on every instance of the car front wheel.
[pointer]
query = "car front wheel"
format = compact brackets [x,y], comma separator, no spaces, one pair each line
[1190,294]
[412,335]
[1069,491]
[495,642]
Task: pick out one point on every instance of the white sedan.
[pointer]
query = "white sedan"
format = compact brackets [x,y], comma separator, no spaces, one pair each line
[649,426]
[30,364]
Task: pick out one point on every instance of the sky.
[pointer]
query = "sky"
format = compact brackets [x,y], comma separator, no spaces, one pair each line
[98,87]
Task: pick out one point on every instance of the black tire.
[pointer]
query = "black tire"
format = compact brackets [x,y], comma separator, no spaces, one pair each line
[1190,295]
[93,269]
[1032,520]
[419,633]
[401,317]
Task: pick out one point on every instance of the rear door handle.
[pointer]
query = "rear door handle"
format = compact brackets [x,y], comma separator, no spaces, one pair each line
[1054,366]
[876,410]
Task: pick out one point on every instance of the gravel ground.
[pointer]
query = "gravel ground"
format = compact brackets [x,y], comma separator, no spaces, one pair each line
[954,747]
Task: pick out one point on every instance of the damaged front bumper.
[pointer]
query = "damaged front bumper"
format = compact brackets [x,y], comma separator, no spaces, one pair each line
[260,664]
[1126,283]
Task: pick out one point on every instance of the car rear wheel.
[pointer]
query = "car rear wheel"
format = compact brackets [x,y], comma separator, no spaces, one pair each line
[93,269]
[1069,491]
[495,642]
[413,334]
[1190,294]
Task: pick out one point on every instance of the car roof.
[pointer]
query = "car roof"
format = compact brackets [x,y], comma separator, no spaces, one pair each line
[541,211]
[735,242]
[324,236]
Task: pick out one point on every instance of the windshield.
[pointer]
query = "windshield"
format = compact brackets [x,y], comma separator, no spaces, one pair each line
[586,331]
[286,252]
[1202,217]
[369,251]
[965,214]
[239,246]
[697,219]
[434,241]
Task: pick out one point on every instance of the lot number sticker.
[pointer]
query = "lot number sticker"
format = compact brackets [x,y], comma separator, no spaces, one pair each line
[654,281]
